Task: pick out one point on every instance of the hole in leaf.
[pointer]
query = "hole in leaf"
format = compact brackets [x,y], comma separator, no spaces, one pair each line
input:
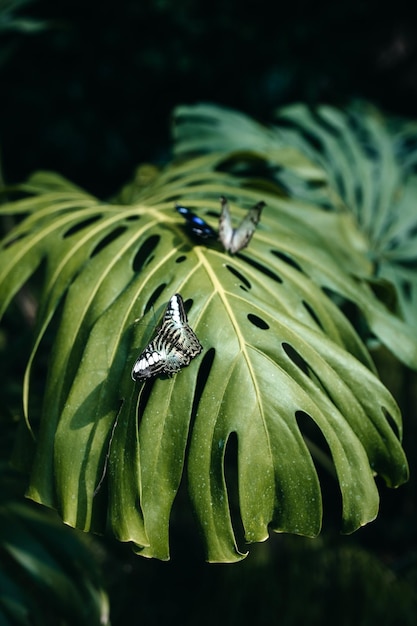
[352,313]
[409,264]
[315,441]
[80,226]
[246,164]
[286,122]
[154,297]
[188,304]
[211,213]
[232,486]
[143,255]
[296,358]
[133,218]
[312,314]
[287,259]
[262,268]
[180,259]
[325,468]
[258,321]
[391,422]
[239,276]
[12,241]
[407,289]
[114,234]
[334,296]
[202,376]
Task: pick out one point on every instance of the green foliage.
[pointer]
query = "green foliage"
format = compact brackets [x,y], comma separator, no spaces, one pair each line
[47,575]
[279,357]
[11,22]
[355,161]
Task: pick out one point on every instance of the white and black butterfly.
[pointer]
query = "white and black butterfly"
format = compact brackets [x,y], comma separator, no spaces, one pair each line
[173,347]
[235,239]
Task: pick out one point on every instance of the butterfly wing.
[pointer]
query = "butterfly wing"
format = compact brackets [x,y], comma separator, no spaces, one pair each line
[150,362]
[225,225]
[195,224]
[172,348]
[175,312]
[176,331]
[188,342]
[244,232]
[176,360]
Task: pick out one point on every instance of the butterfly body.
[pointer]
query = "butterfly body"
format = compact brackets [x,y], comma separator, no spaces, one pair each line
[195,224]
[173,347]
[235,239]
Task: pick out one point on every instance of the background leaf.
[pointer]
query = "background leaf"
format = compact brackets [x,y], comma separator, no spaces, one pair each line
[355,160]
[368,160]
[47,573]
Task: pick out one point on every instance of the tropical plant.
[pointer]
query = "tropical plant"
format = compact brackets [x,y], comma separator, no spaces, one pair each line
[284,379]
[355,161]
[47,574]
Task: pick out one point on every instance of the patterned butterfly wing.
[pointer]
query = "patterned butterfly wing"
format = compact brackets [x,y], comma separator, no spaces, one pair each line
[244,232]
[195,224]
[151,361]
[176,330]
[225,225]
[234,240]
[173,347]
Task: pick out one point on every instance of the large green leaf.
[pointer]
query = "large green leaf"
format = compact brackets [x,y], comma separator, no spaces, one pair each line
[277,355]
[354,160]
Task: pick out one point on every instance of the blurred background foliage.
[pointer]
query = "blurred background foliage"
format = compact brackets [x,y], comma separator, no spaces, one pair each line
[87,89]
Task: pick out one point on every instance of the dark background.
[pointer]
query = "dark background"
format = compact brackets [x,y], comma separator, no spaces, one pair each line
[90,96]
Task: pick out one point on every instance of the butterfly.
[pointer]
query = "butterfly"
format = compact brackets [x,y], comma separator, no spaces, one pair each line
[195,224]
[173,347]
[235,239]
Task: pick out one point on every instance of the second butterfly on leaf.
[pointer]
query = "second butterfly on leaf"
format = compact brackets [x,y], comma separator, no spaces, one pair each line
[196,226]
[235,239]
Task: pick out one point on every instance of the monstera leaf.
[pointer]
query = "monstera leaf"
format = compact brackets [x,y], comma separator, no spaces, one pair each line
[356,160]
[280,362]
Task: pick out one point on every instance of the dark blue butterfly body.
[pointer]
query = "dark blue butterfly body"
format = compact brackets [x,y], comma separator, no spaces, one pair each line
[195,225]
